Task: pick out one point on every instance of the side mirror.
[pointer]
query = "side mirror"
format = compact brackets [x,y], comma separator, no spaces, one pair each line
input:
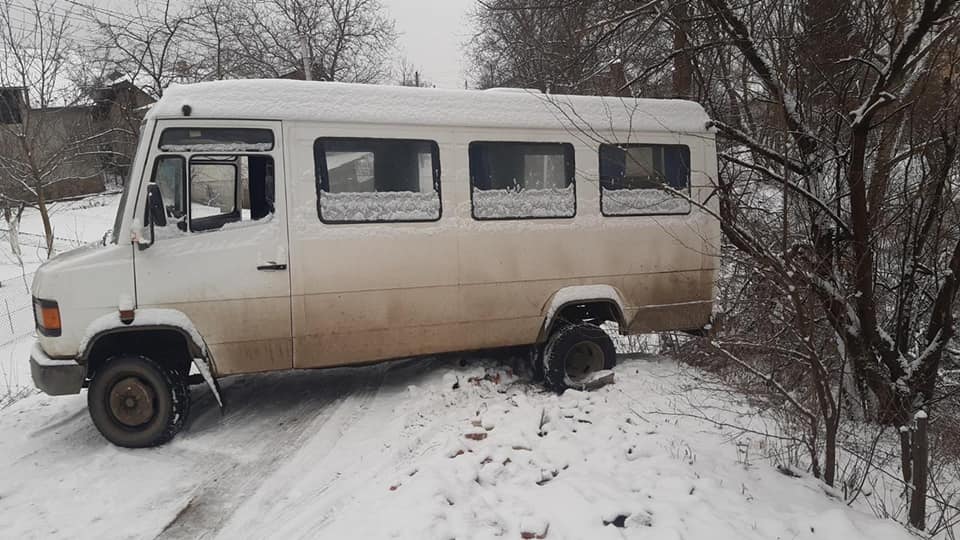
[155,213]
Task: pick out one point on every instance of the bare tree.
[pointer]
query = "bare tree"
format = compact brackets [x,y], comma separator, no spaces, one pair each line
[410,75]
[877,251]
[151,46]
[43,145]
[582,47]
[534,44]
[839,128]
[328,40]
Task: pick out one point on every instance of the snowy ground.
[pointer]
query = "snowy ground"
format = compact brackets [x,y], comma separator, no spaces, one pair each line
[412,449]
[415,449]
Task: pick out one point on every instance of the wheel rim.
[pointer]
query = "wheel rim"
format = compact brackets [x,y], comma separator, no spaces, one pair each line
[583,359]
[132,402]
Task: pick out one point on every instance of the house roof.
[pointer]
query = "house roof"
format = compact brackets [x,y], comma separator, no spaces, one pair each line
[357,103]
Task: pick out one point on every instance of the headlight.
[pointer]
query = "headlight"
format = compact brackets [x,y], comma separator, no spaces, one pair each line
[46,315]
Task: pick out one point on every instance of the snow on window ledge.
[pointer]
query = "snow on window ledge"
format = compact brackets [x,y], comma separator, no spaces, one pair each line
[380,206]
[217,147]
[626,202]
[526,203]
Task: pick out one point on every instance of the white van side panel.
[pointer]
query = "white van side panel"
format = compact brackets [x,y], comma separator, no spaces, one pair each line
[652,260]
[364,292]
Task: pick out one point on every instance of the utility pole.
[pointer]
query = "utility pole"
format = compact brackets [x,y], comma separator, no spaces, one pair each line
[307,59]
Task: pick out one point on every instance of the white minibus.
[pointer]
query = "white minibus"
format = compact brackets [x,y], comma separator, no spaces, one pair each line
[274,225]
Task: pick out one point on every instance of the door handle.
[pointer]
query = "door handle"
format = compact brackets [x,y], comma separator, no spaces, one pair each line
[271,267]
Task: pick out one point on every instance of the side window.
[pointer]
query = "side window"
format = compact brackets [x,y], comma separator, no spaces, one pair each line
[221,189]
[644,179]
[227,189]
[214,187]
[377,180]
[169,175]
[516,180]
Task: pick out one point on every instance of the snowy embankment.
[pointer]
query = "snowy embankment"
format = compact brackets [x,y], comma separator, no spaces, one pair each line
[415,449]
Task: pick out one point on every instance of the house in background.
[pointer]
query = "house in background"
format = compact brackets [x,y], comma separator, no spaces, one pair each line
[121,106]
[109,119]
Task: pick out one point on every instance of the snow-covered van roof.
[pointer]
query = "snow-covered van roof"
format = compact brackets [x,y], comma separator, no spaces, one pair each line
[360,103]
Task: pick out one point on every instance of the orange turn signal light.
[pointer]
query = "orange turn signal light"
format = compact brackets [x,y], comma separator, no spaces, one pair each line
[47,315]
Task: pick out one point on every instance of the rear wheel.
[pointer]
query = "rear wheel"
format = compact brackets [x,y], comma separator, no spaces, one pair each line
[574,353]
[136,403]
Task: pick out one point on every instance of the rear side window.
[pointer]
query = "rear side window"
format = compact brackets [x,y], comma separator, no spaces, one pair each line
[216,140]
[518,180]
[377,180]
[644,179]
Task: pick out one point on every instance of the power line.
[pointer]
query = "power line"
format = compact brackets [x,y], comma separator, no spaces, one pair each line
[103,10]
[38,14]
[33,14]
[85,13]
[128,18]
[32,28]
[10,17]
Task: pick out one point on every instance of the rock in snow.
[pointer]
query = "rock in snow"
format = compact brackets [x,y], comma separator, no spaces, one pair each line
[593,381]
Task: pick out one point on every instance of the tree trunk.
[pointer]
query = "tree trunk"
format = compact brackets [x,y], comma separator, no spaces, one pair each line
[906,463]
[307,59]
[47,228]
[13,236]
[12,218]
[682,65]
[830,452]
[918,499]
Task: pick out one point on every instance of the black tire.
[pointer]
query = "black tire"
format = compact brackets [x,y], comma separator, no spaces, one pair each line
[567,344]
[160,401]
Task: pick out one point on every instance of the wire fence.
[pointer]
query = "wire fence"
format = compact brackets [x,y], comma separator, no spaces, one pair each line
[16,303]
[42,238]
[16,308]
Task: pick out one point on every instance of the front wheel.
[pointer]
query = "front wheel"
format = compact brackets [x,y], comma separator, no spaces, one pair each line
[574,353]
[136,403]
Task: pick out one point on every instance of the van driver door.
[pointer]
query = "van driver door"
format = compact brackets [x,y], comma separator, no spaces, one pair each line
[222,256]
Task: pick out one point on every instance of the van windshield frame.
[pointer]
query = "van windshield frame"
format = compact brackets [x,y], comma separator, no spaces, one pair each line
[125,193]
[118,220]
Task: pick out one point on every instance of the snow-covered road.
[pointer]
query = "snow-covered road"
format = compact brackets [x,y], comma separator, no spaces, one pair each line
[413,449]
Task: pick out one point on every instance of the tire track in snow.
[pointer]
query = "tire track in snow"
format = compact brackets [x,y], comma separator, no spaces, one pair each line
[322,472]
[54,426]
[213,504]
[319,440]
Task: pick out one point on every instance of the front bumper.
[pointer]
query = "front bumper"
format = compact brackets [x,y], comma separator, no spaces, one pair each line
[55,377]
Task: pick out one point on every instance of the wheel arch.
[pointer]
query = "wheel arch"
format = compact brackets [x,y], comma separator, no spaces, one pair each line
[582,302]
[139,339]
[166,336]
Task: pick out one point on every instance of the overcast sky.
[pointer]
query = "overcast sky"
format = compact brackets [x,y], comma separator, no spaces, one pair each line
[432,33]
